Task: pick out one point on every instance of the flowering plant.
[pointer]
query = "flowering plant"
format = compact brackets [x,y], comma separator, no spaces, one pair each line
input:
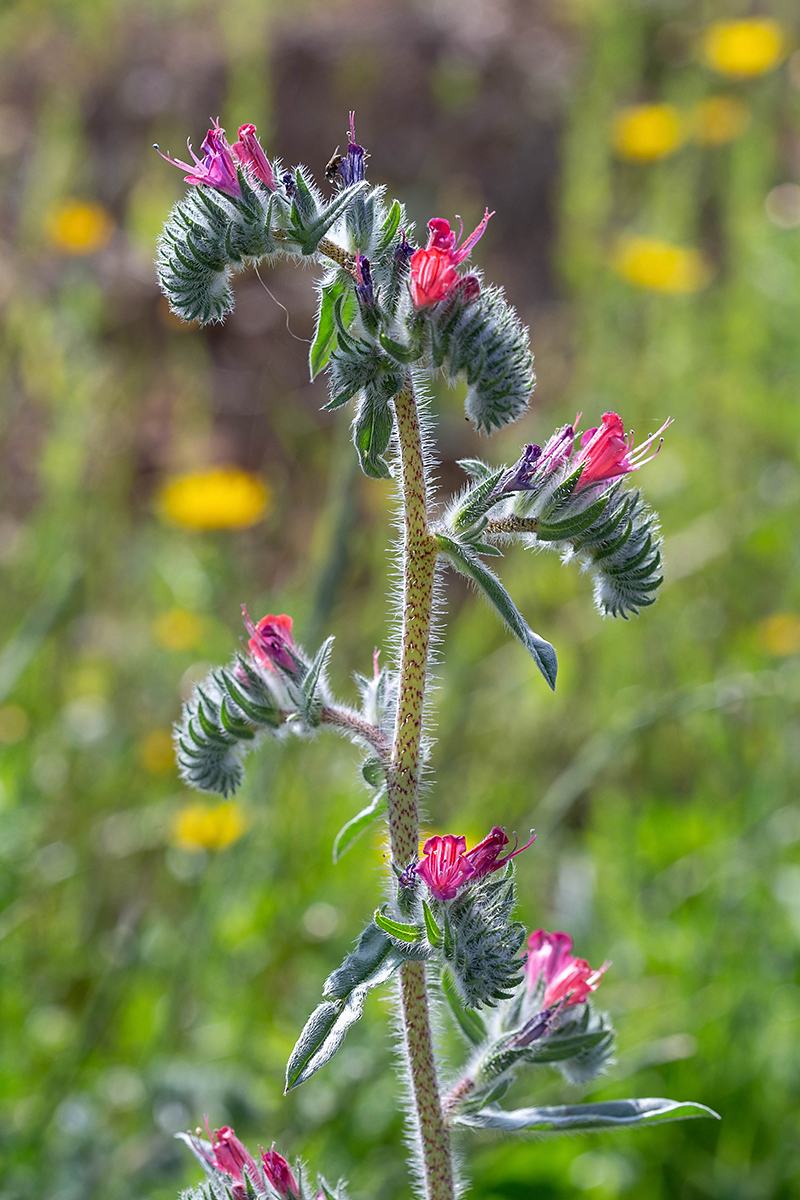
[389,316]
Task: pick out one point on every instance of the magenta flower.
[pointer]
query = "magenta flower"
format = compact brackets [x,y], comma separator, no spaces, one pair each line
[447,865]
[279,1174]
[250,153]
[566,978]
[228,1155]
[486,856]
[444,866]
[433,270]
[606,453]
[271,643]
[216,168]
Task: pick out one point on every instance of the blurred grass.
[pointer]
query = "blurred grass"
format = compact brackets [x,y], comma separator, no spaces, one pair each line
[142,984]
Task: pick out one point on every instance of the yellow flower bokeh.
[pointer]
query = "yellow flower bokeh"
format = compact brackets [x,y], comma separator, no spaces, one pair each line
[218,498]
[719,119]
[743,49]
[79,227]
[156,752]
[178,629]
[208,827]
[659,265]
[780,634]
[647,132]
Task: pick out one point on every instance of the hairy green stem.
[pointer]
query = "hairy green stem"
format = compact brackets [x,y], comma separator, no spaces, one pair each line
[419,565]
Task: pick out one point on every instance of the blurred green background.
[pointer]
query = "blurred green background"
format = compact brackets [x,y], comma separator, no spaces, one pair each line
[146,980]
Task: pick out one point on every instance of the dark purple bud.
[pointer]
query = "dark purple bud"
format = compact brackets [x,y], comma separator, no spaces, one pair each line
[408,877]
[289,185]
[403,251]
[351,168]
[534,1029]
[520,477]
[364,288]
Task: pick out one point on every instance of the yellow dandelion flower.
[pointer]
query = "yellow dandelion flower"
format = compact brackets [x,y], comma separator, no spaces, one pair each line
[208,827]
[156,752]
[219,498]
[719,119]
[647,132]
[178,629]
[743,49]
[79,227]
[659,265]
[780,634]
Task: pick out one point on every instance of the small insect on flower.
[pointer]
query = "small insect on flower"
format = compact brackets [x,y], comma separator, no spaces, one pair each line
[433,269]
[447,865]
[606,452]
[217,167]
[250,153]
[567,980]
[271,643]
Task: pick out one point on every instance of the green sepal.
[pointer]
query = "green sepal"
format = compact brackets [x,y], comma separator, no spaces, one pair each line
[311,699]
[475,468]
[402,354]
[558,531]
[486,548]
[316,230]
[389,228]
[431,928]
[465,561]
[396,929]
[469,1021]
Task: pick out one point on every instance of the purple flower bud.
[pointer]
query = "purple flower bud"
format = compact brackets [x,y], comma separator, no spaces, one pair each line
[520,477]
[364,288]
[351,168]
[535,1028]
[403,251]
[289,185]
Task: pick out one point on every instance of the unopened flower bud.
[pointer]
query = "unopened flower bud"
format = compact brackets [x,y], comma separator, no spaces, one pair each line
[271,643]
[249,151]
[279,1174]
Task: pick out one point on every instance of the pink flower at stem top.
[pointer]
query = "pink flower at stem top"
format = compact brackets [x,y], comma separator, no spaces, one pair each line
[271,643]
[606,453]
[217,167]
[250,153]
[567,979]
[230,1156]
[279,1174]
[433,269]
[447,865]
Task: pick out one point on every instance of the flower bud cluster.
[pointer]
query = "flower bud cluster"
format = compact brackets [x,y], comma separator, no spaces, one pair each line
[572,501]
[232,1173]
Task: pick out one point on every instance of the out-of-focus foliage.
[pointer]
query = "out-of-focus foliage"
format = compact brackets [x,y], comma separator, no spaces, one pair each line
[146,981]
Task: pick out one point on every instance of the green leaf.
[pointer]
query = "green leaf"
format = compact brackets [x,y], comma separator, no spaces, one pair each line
[610,1114]
[465,561]
[325,333]
[402,354]
[312,701]
[431,928]
[474,467]
[372,432]
[396,929]
[315,231]
[372,961]
[350,832]
[471,1024]
[557,531]
[478,501]
[389,228]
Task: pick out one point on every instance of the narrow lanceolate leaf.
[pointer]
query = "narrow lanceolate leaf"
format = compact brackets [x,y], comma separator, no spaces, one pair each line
[611,1114]
[312,700]
[350,832]
[373,962]
[465,561]
[316,229]
[471,1024]
[325,333]
[396,929]
[477,501]
[431,928]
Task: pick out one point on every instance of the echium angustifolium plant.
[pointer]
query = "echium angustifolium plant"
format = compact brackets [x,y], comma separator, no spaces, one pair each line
[389,315]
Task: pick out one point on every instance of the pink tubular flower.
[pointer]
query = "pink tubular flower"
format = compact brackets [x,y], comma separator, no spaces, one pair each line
[279,1174]
[433,270]
[447,865]
[606,453]
[566,978]
[230,1156]
[444,866]
[216,168]
[271,642]
[249,151]
[485,857]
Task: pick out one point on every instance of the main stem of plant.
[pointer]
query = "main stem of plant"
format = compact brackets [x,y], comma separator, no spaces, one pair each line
[419,565]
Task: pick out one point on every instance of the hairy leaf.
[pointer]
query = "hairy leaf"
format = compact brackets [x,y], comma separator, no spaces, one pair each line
[610,1114]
